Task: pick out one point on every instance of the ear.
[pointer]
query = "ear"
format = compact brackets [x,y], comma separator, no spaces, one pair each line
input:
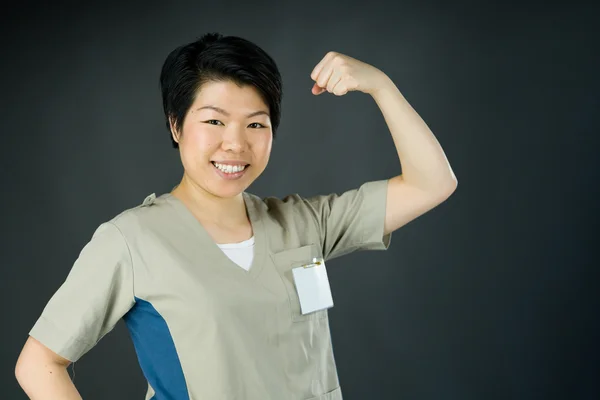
[174,132]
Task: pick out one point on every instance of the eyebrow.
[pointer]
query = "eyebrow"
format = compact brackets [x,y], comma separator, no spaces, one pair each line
[220,110]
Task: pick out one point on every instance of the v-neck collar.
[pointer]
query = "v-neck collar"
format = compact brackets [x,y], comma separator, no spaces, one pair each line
[260,248]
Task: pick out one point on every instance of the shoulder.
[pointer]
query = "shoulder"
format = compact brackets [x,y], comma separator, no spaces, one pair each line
[152,212]
[284,208]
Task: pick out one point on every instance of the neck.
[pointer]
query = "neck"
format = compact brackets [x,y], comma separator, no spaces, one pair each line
[225,211]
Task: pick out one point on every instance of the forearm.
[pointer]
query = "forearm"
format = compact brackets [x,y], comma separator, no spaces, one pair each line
[46,381]
[423,161]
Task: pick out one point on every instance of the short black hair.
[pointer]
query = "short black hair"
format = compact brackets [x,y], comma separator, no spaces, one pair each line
[216,58]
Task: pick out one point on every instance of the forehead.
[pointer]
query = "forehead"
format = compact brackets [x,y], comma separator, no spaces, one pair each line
[230,96]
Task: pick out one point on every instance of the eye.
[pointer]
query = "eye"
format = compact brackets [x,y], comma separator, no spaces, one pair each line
[256,123]
[210,121]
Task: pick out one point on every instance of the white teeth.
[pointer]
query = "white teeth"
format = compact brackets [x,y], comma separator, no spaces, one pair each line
[230,169]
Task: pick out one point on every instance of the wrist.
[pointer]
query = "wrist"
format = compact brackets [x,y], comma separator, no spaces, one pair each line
[383,84]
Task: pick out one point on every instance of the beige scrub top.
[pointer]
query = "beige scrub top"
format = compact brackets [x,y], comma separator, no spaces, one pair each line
[203,328]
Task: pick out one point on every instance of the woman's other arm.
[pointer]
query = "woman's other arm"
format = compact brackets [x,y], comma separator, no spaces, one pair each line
[96,294]
[427,178]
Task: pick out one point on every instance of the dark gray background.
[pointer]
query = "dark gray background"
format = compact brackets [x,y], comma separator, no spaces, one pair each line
[492,295]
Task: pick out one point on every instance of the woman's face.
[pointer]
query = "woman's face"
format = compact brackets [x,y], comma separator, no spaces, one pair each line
[226,138]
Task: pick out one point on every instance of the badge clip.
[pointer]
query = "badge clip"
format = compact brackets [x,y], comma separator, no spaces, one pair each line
[315,262]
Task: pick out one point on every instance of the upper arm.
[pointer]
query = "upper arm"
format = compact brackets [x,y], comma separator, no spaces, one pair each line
[97,292]
[406,202]
[353,220]
[35,351]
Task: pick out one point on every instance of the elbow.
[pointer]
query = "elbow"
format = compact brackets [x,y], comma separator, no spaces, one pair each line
[21,368]
[452,185]
[446,189]
[26,363]
[443,186]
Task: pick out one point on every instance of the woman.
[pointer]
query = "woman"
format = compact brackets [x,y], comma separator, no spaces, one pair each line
[206,277]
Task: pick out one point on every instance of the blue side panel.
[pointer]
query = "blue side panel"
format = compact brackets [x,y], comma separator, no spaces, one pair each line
[156,352]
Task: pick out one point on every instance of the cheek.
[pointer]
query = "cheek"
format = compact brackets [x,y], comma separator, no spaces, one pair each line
[262,146]
[197,147]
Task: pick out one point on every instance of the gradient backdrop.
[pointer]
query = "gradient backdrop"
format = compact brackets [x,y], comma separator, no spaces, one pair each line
[492,295]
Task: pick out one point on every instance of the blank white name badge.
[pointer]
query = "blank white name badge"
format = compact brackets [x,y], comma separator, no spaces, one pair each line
[312,286]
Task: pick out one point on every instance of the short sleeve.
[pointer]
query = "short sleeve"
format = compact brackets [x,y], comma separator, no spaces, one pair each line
[353,220]
[97,292]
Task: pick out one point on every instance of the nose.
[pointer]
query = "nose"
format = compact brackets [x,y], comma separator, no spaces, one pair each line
[234,139]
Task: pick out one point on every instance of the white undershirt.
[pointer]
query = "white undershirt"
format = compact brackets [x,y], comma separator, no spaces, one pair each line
[240,253]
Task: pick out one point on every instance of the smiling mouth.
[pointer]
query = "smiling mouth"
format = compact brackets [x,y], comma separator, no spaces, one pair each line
[230,169]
